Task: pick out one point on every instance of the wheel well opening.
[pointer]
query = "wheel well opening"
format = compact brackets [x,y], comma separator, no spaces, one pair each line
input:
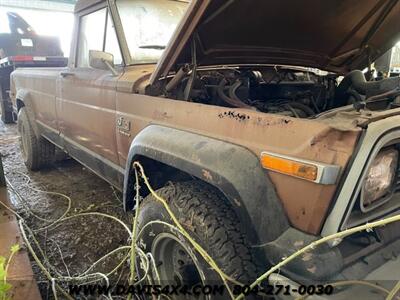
[158,174]
[20,104]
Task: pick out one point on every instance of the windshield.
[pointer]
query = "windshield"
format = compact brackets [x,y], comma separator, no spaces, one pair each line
[148,26]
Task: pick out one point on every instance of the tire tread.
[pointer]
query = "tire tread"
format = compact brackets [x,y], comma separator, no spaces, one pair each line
[215,223]
[41,153]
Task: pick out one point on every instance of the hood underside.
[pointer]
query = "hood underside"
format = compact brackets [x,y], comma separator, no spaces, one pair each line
[332,35]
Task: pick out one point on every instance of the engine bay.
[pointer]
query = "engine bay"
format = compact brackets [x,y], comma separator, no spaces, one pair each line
[289,91]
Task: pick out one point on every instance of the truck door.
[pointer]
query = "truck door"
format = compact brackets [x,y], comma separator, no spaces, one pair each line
[86,107]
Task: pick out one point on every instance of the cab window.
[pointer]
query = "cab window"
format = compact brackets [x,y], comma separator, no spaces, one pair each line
[96,32]
[91,35]
[111,44]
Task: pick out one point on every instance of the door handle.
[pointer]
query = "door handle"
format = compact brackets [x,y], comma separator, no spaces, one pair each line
[66,74]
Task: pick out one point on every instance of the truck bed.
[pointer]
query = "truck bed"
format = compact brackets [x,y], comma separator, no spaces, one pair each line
[11,63]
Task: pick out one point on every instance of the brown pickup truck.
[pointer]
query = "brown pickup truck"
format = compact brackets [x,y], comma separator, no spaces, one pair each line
[250,117]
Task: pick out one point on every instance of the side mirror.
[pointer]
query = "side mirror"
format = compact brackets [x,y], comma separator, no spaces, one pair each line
[102,61]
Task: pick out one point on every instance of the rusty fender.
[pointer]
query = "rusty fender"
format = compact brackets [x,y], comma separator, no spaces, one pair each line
[232,169]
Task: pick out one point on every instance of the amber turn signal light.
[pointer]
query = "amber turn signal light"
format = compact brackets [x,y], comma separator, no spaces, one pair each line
[289,167]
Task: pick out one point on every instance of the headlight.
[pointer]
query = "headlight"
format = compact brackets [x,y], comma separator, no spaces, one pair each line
[379,181]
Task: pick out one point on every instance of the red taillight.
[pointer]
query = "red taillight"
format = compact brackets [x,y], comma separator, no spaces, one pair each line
[21,58]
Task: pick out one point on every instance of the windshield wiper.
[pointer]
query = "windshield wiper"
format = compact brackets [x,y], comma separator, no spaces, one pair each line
[156,47]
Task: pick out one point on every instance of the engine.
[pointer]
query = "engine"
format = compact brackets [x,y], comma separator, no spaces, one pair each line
[288,91]
[295,93]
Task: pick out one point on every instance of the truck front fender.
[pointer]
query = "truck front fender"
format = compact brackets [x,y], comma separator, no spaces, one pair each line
[232,169]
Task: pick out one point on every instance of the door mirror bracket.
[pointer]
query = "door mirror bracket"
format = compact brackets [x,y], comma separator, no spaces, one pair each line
[102,61]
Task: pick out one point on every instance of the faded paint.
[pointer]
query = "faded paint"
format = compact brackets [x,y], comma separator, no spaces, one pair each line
[305,203]
[84,108]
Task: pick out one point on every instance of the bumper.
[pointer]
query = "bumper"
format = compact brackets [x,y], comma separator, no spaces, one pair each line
[385,276]
[329,264]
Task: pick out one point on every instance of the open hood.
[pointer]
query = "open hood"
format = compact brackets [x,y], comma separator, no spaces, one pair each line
[332,35]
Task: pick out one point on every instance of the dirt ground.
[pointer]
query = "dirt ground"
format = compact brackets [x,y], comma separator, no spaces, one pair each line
[77,243]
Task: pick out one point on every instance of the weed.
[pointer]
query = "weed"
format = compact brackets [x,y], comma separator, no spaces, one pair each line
[5,287]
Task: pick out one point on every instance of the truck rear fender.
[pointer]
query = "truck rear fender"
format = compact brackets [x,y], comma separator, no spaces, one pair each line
[23,99]
[232,169]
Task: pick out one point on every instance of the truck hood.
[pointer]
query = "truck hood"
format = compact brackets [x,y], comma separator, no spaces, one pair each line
[334,35]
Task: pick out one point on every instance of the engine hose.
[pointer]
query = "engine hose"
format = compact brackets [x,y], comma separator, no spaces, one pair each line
[391,94]
[307,110]
[356,80]
[225,98]
[287,106]
[232,90]
[355,95]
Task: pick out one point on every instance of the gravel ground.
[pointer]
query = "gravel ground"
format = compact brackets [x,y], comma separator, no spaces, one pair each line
[77,243]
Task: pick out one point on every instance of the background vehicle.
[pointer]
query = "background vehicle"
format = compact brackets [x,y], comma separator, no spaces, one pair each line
[20,46]
[265,157]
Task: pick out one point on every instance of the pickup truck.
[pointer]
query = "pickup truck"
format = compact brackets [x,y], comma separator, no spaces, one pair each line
[252,118]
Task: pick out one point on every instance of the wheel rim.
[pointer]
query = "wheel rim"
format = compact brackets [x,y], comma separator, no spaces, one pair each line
[177,264]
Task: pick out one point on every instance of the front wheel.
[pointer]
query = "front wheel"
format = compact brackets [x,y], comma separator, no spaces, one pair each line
[206,216]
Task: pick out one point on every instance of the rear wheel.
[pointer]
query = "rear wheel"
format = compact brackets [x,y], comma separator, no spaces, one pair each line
[204,213]
[36,152]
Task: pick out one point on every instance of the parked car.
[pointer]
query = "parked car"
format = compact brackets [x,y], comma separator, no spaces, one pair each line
[21,46]
[239,105]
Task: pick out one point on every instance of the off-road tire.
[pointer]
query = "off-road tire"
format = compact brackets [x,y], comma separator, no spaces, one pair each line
[60,155]
[209,219]
[37,152]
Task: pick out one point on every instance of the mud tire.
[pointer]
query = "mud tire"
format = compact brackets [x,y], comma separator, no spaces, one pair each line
[209,219]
